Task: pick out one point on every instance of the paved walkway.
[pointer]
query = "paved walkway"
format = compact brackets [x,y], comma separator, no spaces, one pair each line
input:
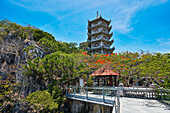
[135,105]
[127,105]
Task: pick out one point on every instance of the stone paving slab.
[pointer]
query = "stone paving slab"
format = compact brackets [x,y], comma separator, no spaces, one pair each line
[135,105]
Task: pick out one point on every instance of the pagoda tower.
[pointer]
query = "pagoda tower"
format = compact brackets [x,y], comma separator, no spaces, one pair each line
[99,37]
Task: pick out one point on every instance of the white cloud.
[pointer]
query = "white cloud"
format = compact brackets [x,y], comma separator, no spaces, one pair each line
[124,13]
[163,41]
[120,12]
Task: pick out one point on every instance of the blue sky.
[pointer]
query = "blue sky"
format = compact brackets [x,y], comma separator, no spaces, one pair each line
[136,24]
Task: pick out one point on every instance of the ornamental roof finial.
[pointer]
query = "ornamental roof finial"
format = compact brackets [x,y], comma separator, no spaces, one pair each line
[97,15]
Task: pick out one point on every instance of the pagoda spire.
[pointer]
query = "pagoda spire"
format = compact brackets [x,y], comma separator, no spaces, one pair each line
[97,15]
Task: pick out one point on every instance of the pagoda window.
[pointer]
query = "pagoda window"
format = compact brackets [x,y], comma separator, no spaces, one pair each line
[96,37]
[95,24]
[104,37]
[98,52]
[97,44]
[96,30]
[103,30]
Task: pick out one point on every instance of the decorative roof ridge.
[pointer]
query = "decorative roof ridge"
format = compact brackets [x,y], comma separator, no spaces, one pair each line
[100,18]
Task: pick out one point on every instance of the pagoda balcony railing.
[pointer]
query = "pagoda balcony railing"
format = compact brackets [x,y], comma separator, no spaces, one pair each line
[108,47]
[89,27]
[92,48]
[94,40]
[101,31]
[98,47]
[109,28]
[101,46]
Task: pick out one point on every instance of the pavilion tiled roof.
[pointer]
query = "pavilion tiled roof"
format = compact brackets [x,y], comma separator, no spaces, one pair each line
[106,71]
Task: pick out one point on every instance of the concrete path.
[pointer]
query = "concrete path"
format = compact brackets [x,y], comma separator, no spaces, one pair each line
[135,105]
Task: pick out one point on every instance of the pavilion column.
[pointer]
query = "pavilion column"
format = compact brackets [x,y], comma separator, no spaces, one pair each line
[110,81]
[115,81]
[104,81]
[98,81]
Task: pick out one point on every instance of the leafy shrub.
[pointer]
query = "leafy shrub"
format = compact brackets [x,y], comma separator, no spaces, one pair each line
[41,99]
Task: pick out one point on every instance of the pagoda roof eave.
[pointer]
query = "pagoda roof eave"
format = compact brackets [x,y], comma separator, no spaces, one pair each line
[110,28]
[100,18]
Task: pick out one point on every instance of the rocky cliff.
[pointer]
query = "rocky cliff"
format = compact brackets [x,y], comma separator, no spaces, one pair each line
[22,51]
[15,51]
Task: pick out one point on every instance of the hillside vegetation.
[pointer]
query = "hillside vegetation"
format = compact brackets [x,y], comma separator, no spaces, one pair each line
[35,69]
[32,60]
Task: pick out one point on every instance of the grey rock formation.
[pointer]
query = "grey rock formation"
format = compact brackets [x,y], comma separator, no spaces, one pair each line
[38,51]
[12,59]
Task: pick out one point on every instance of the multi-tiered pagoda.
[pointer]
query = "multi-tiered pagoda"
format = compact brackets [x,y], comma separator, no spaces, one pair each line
[99,37]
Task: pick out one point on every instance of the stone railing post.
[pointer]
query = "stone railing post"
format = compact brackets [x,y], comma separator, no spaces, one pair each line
[118,102]
[103,95]
[86,92]
[74,90]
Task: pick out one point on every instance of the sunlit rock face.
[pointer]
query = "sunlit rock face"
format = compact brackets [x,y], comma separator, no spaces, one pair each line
[13,57]
[12,60]
[18,45]
[37,51]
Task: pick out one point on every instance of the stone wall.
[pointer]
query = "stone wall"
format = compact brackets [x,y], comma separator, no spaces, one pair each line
[75,106]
